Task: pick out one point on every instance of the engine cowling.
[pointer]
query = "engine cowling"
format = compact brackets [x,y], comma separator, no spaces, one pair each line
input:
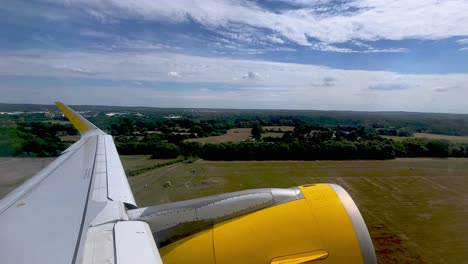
[319,223]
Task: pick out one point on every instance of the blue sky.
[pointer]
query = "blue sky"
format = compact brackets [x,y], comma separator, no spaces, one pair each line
[374,55]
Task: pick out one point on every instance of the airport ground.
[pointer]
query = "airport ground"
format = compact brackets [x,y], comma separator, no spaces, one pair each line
[415,209]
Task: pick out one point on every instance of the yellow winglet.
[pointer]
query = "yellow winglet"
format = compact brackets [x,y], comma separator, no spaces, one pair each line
[79,122]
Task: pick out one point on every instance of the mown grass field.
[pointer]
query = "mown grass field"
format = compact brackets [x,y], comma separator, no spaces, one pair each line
[457,139]
[415,209]
[134,162]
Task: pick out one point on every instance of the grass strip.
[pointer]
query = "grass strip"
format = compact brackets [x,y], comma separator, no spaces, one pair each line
[156,166]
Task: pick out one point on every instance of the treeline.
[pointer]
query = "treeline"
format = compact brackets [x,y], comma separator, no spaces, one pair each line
[189,128]
[165,138]
[41,139]
[391,125]
[325,150]
[438,123]
[153,144]
[304,143]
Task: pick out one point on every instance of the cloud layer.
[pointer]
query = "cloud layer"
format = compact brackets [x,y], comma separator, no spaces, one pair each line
[238,53]
[299,21]
[185,80]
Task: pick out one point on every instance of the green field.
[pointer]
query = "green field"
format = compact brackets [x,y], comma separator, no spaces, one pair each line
[415,209]
[134,162]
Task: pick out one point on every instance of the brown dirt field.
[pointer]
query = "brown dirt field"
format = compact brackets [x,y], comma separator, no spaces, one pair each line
[15,171]
[232,135]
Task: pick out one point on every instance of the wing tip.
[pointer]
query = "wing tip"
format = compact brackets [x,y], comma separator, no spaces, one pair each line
[79,122]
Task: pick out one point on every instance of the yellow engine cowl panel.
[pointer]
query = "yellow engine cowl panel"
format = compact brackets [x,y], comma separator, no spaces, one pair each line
[281,230]
[197,248]
[314,229]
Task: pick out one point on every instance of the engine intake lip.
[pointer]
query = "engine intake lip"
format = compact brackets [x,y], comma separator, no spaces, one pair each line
[362,233]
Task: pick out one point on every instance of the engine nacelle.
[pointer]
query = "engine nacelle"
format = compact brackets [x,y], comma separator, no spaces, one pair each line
[317,222]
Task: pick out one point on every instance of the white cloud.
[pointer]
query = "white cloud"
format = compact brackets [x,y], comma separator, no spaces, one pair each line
[95,34]
[322,46]
[355,19]
[295,86]
[275,39]
[252,76]
[463,42]
[388,87]
[174,74]
[73,69]
[442,89]
[118,42]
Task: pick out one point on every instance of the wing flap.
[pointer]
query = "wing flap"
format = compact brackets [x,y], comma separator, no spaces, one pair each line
[134,243]
[117,184]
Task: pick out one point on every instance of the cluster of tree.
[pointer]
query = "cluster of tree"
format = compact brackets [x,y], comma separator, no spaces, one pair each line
[448,124]
[330,150]
[289,151]
[142,125]
[340,135]
[40,139]
[201,124]
[394,132]
[10,144]
[325,150]
[153,144]
[257,131]
[304,143]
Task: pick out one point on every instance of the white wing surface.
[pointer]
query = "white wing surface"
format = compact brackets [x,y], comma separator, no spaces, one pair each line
[75,209]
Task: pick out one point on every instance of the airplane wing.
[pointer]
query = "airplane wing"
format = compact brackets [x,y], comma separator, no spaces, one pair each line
[74,210]
[80,209]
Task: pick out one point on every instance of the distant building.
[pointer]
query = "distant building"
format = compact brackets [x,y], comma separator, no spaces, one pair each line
[173,117]
[115,114]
